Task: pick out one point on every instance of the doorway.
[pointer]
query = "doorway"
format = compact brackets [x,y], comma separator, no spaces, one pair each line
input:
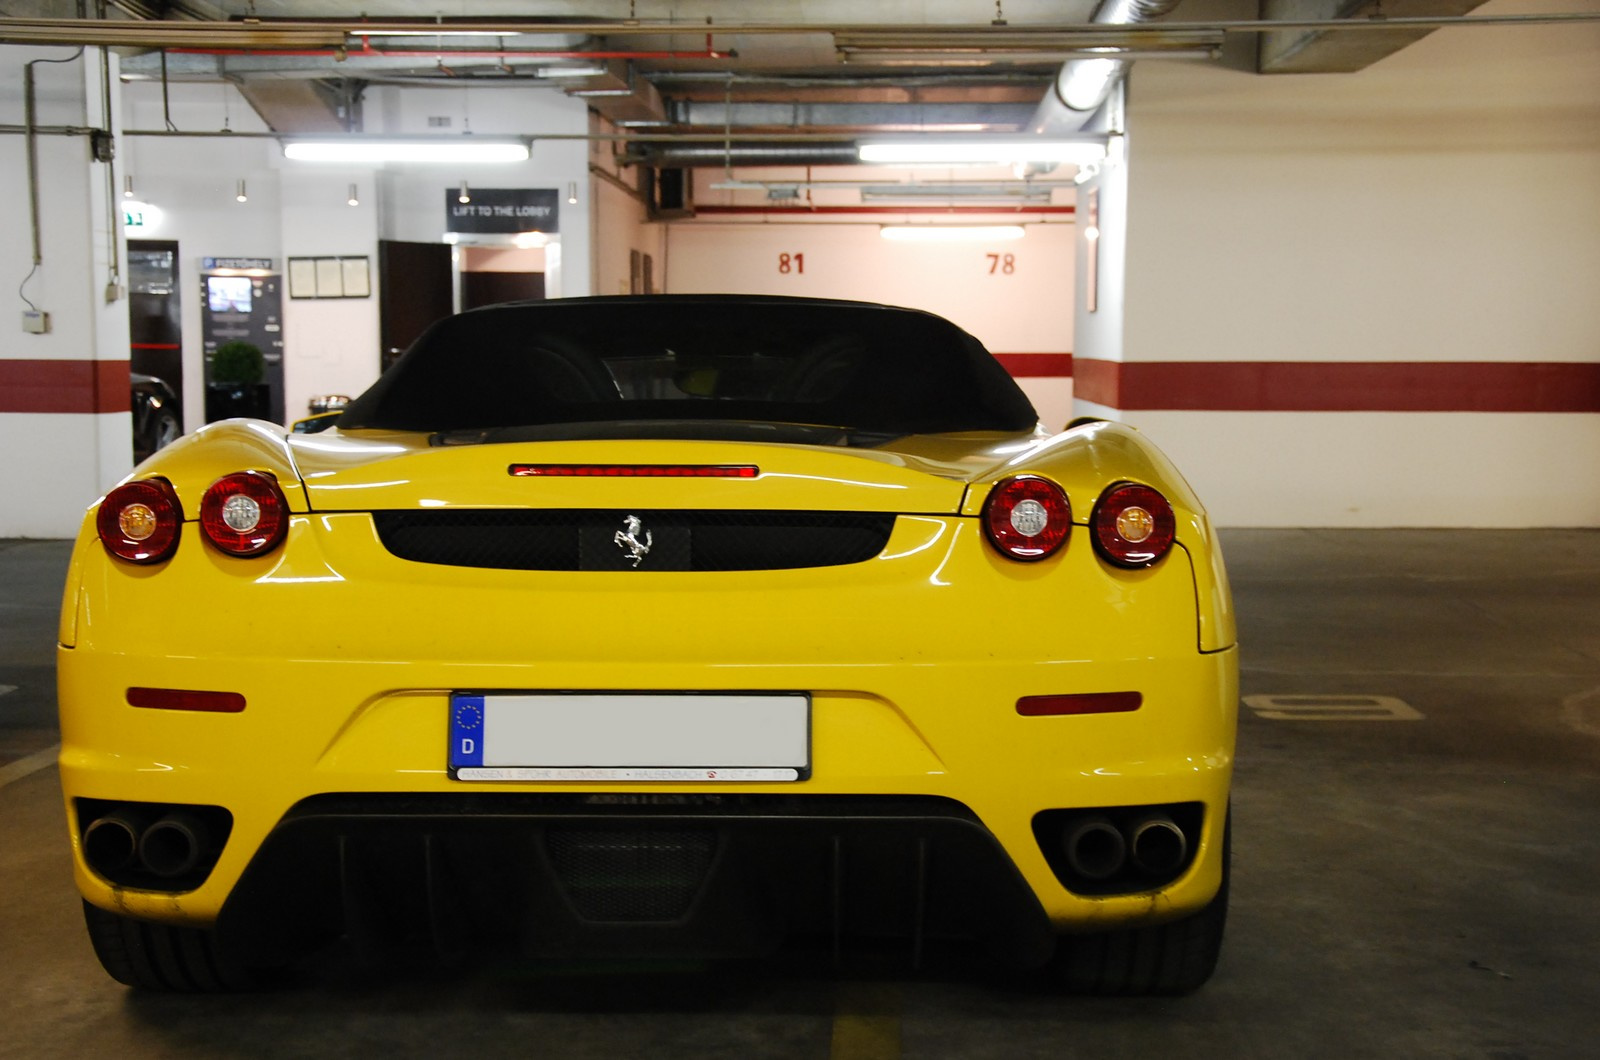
[155,344]
[420,283]
[490,275]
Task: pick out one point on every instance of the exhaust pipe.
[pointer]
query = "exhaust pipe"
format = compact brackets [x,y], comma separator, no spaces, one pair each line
[1095,849]
[1156,845]
[174,845]
[111,843]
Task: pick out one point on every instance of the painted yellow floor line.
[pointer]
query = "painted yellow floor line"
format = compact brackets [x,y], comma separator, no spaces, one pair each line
[25,767]
[866,1023]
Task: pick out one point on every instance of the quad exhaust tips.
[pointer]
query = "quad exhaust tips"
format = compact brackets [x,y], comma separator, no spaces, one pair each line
[1122,849]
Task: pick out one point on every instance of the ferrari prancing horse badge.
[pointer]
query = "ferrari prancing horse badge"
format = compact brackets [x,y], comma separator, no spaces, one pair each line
[628,539]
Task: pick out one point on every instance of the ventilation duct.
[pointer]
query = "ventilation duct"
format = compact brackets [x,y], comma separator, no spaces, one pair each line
[678,155]
[1082,85]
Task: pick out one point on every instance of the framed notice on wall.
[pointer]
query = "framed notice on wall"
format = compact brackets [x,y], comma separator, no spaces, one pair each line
[330,277]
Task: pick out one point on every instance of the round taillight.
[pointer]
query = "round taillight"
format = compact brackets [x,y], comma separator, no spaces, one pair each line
[139,521]
[244,514]
[1133,525]
[1027,517]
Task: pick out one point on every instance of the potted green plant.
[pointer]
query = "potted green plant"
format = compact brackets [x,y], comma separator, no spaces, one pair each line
[235,386]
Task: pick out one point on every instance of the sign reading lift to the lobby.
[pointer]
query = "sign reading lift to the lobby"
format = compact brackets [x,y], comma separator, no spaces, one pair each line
[503,210]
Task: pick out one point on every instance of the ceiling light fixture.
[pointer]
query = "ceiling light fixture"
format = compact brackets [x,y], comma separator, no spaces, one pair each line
[981,151]
[240,195]
[354,199]
[464,195]
[418,149]
[127,186]
[950,233]
[572,193]
[391,31]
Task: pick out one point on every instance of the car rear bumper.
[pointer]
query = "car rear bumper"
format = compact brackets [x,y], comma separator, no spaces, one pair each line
[913,663]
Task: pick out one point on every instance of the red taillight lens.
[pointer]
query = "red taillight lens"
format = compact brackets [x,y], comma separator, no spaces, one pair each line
[139,521]
[1027,517]
[1133,525]
[244,514]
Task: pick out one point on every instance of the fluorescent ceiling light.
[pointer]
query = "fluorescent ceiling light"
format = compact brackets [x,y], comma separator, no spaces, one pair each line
[442,149]
[978,151]
[950,233]
[394,32]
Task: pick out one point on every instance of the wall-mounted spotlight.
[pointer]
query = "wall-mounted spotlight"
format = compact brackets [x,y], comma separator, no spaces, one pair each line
[464,195]
[354,199]
[127,186]
[240,195]
[572,193]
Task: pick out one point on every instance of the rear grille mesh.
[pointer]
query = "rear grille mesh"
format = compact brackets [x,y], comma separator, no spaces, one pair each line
[637,876]
[571,540]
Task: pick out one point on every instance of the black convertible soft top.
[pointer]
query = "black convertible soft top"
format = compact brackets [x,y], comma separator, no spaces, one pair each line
[610,366]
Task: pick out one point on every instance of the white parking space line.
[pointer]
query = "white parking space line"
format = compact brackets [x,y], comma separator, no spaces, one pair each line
[7,688]
[26,767]
[1332,708]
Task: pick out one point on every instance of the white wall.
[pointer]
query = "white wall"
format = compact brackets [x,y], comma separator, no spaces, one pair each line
[1027,310]
[1440,206]
[413,196]
[189,184]
[330,345]
[59,461]
[619,224]
[300,209]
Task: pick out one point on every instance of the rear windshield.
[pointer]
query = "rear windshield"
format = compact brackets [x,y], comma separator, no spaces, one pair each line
[616,366]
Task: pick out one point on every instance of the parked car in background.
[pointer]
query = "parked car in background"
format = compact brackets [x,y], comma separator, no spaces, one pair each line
[625,627]
[157,417]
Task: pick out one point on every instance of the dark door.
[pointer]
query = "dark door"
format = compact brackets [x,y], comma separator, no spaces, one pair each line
[489,288]
[155,354]
[414,291]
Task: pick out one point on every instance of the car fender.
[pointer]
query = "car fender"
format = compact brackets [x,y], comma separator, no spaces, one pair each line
[1084,461]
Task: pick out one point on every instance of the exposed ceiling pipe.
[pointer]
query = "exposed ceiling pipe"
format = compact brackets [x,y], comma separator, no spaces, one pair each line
[1082,85]
[680,155]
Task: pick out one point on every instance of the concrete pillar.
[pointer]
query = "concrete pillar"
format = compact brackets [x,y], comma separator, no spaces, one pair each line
[64,420]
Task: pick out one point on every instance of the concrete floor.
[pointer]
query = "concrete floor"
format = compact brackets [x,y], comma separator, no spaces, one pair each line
[1402,888]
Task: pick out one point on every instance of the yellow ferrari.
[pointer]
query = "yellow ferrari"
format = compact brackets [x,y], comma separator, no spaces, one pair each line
[655,626]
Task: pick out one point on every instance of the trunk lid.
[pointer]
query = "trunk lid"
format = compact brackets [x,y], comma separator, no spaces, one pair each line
[383,470]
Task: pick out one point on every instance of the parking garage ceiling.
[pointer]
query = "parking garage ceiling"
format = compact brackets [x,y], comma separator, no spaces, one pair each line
[690,70]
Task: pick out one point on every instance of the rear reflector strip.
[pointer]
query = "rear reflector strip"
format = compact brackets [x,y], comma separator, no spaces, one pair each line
[1082,703]
[186,699]
[634,471]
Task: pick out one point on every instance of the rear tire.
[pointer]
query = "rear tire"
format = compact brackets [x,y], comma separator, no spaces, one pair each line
[150,956]
[1175,958]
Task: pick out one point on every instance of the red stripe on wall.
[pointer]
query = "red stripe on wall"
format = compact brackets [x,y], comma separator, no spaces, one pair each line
[1324,386]
[1036,365]
[916,211]
[63,386]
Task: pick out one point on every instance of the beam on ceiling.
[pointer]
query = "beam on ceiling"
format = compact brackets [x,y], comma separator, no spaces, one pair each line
[1324,51]
[266,34]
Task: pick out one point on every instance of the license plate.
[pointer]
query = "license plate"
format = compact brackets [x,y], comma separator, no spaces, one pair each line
[600,736]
